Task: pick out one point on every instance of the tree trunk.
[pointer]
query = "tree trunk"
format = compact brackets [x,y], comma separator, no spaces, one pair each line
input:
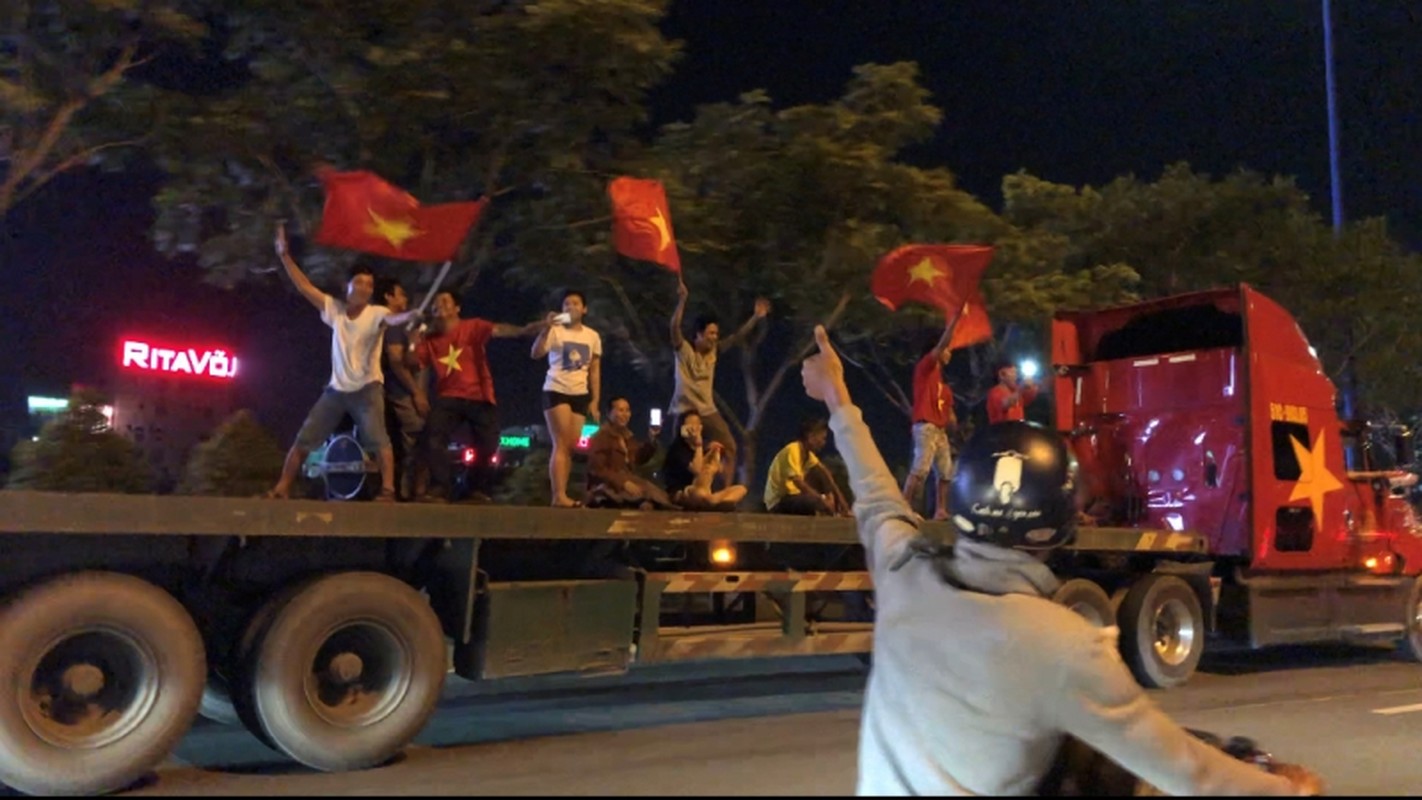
[750,445]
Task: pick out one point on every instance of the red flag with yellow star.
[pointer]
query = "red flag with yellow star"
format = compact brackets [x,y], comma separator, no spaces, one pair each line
[365,213]
[942,276]
[973,326]
[641,222]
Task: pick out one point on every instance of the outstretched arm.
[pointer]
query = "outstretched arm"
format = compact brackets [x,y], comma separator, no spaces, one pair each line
[681,294]
[762,310]
[303,284]
[885,519]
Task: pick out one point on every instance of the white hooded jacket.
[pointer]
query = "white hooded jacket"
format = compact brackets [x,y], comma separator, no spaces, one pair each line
[973,693]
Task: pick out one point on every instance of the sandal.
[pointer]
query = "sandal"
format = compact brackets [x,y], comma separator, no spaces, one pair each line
[385,496]
[271,494]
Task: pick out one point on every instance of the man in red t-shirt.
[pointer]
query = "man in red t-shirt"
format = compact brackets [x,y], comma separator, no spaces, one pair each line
[933,419]
[464,391]
[1007,401]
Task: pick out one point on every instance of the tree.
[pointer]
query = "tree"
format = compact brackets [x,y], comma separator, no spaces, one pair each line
[67,83]
[1188,231]
[78,452]
[450,99]
[240,459]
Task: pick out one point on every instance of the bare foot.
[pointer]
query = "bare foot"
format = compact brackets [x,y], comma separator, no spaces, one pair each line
[565,502]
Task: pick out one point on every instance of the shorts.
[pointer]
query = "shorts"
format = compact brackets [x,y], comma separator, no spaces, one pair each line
[931,451]
[366,406]
[713,429]
[579,403]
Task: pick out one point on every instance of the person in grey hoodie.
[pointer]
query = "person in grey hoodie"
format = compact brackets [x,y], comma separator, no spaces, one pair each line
[974,690]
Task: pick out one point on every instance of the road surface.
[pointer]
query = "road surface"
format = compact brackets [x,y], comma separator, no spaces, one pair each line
[791,728]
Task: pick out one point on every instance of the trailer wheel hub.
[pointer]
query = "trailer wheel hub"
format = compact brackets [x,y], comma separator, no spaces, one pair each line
[1174,632]
[360,674]
[90,689]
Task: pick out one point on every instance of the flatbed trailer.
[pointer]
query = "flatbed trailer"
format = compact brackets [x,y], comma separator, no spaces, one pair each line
[327,629]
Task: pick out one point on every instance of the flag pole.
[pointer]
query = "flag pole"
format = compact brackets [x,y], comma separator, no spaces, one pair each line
[434,287]
[434,290]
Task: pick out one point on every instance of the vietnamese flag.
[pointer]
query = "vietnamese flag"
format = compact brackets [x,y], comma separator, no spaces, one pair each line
[973,326]
[641,222]
[365,213]
[943,276]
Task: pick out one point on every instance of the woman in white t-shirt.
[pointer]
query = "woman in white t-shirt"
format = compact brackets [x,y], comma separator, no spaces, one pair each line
[570,390]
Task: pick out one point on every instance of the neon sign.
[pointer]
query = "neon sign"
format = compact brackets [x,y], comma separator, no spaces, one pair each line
[143,356]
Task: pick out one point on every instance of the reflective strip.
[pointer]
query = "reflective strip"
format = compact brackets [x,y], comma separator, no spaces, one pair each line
[695,648]
[722,582]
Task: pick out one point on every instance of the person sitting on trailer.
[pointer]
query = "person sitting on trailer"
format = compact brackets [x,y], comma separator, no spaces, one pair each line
[1010,674]
[691,467]
[798,482]
[614,454]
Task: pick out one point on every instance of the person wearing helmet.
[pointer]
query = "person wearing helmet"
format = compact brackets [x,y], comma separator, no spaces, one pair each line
[978,679]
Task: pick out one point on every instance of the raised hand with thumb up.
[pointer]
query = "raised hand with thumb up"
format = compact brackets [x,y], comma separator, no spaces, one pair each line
[823,373]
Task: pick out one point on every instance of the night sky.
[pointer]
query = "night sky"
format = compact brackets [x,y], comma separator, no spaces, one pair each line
[1073,92]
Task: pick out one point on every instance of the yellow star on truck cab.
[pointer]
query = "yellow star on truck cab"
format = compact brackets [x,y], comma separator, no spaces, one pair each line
[925,271]
[394,231]
[1315,480]
[451,360]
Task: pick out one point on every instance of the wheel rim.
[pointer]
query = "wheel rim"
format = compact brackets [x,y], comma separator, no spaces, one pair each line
[360,674]
[90,688]
[1174,632]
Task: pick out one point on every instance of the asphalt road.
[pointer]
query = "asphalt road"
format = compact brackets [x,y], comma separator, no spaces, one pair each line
[790,728]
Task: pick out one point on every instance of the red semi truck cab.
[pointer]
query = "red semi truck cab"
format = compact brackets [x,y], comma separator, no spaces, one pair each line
[1210,413]
[1208,418]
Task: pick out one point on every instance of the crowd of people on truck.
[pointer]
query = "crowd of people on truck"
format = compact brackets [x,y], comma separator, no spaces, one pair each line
[409,380]
[1027,677]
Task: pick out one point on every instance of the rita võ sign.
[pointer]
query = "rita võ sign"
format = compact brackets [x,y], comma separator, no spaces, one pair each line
[142,356]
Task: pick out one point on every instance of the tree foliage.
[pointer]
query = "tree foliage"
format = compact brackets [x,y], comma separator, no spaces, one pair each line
[240,459]
[78,452]
[68,96]
[450,99]
[1351,293]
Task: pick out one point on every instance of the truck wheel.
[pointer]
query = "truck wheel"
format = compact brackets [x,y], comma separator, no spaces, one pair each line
[103,676]
[1162,630]
[1412,640]
[240,663]
[1088,599]
[348,671]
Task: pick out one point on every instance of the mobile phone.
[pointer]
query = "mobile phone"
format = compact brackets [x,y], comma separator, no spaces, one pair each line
[656,418]
[564,319]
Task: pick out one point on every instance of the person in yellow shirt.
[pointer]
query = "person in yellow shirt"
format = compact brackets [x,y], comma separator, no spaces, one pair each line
[798,482]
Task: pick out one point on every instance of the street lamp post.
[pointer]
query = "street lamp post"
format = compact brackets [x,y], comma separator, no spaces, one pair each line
[1334,182]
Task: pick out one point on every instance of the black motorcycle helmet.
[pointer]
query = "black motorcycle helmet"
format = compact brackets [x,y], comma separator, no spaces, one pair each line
[1014,488]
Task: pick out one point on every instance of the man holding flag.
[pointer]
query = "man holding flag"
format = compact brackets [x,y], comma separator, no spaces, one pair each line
[642,229]
[368,214]
[944,277]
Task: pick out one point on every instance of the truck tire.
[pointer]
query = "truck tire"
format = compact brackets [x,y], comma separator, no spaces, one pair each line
[104,673]
[348,671]
[1088,599]
[1162,630]
[1412,640]
[240,663]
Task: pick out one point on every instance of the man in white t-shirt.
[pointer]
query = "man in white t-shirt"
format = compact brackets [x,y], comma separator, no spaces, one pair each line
[357,384]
